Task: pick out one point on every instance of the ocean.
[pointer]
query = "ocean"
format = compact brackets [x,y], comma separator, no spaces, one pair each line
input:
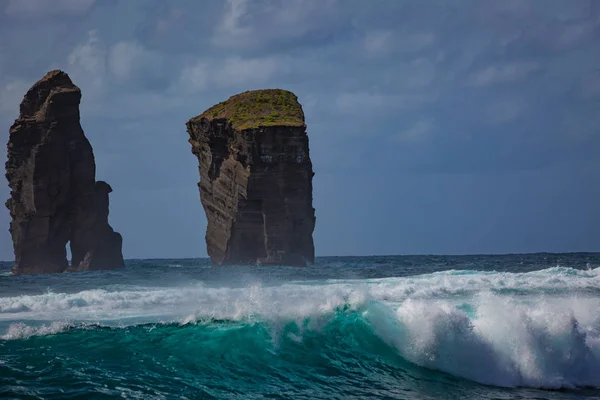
[394,327]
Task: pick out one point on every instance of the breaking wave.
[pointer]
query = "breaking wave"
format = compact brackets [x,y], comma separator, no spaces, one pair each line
[539,329]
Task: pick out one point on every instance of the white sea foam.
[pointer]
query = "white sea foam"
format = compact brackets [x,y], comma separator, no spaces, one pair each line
[297,298]
[546,343]
[536,329]
[20,330]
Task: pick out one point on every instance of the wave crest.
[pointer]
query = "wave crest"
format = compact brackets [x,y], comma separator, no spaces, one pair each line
[500,341]
[538,329]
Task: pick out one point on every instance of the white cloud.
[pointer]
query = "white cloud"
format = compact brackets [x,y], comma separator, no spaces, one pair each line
[128,58]
[231,72]
[11,95]
[87,63]
[231,23]
[166,22]
[94,68]
[576,33]
[39,8]
[378,42]
[94,65]
[254,23]
[142,104]
[384,42]
[235,70]
[418,41]
[502,73]
[194,78]
[505,111]
[357,102]
[420,130]
[490,9]
[231,32]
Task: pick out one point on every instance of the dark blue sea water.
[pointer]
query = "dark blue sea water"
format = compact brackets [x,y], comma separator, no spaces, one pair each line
[398,327]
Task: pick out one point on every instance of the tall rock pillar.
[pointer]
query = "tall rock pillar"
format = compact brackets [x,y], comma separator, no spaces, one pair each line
[255,179]
[54,195]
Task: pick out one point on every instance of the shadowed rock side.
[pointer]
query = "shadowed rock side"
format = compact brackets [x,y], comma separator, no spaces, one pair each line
[255,179]
[54,196]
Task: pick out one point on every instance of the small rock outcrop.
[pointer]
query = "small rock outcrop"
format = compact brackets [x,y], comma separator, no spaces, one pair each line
[255,179]
[55,198]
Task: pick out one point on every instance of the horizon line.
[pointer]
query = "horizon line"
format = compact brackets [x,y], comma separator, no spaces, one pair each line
[383,255]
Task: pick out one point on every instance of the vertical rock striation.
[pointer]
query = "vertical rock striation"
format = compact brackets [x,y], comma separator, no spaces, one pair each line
[255,179]
[54,194]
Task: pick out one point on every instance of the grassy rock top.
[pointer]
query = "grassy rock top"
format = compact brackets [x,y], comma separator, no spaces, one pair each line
[251,109]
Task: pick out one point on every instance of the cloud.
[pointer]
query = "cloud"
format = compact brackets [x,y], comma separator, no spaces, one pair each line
[377,103]
[11,95]
[235,70]
[118,80]
[507,9]
[128,59]
[543,30]
[263,25]
[505,111]
[502,73]
[231,72]
[418,131]
[195,78]
[323,50]
[87,63]
[379,43]
[43,8]
[231,24]
[574,34]
[166,22]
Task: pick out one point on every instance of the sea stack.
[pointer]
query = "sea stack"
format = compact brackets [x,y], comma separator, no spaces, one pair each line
[255,179]
[54,196]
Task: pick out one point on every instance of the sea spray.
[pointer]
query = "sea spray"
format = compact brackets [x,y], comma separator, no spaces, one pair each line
[507,344]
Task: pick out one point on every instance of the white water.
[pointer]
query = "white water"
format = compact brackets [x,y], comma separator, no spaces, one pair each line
[537,329]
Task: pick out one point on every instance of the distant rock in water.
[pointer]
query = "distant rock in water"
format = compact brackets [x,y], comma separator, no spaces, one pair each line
[255,179]
[54,194]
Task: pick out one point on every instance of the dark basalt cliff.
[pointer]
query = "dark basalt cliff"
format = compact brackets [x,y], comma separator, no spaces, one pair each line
[54,194]
[255,179]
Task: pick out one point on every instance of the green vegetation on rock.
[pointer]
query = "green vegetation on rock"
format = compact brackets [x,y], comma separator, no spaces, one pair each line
[268,107]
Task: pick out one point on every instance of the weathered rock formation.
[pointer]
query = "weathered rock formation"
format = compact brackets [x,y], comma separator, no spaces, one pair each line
[255,179]
[54,194]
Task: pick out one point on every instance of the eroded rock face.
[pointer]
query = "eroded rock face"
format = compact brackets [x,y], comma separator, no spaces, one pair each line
[255,179]
[54,195]
[94,244]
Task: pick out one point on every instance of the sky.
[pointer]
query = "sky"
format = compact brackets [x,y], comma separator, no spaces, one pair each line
[435,127]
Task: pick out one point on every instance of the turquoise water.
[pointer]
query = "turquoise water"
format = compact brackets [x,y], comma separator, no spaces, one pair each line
[419,327]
